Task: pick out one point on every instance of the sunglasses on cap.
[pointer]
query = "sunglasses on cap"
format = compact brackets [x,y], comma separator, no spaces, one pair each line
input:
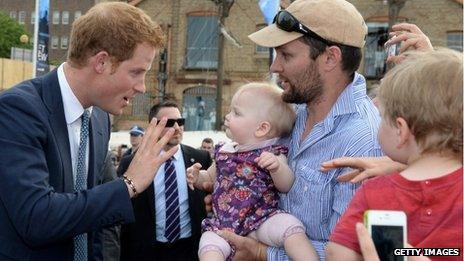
[287,22]
[171,122]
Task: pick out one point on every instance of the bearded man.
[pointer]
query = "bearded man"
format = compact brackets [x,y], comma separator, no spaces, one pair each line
[318,45]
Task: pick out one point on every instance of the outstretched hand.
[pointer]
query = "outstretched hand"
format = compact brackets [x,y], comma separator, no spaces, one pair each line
[246,248]
[410,37]
[148,158]
[364,167]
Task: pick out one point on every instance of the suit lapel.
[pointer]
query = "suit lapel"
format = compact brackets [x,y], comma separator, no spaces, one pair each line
[54,103]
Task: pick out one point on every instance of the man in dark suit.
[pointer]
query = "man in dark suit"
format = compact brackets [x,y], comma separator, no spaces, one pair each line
[54,133]
[149,237]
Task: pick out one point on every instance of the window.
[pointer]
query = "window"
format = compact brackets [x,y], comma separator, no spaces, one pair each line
[374,51]
[64,42]
[32,17]
[22,17]
[13,15]
[77,14]
[56,17]
[202,42]
[454,41]
[54,42]
[65,17]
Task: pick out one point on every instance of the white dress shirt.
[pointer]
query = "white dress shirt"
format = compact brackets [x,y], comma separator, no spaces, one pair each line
[73,111]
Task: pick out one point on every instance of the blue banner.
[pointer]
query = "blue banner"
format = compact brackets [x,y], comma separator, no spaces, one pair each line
[269,8]
[42,67]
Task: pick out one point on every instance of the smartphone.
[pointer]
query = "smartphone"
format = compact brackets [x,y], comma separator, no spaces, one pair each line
[388,231]
[394,49]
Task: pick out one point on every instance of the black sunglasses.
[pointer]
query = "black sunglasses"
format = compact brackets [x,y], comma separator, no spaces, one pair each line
[287,22]
[171,122]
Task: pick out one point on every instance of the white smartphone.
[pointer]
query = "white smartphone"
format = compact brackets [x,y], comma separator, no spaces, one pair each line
[393,50]
[388,230]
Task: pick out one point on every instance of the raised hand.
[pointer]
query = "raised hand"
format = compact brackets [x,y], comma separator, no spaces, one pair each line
[148,158]
[410,37]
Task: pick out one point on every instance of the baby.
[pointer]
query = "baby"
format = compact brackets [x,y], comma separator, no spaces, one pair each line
[248,174]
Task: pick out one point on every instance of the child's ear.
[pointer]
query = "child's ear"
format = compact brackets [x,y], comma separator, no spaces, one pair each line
[403,133]
[263,129]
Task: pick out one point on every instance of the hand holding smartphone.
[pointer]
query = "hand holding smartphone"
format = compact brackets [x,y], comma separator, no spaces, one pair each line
[388,230]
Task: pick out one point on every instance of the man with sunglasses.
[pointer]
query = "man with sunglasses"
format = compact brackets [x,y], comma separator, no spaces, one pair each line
[150,237]
[318,45]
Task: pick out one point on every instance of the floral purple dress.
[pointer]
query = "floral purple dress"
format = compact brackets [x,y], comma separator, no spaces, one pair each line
[244,194]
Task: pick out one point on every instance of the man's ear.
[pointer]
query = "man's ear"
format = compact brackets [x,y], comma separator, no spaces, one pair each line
[332,57]
[101,61]
[263,129]
[403,132]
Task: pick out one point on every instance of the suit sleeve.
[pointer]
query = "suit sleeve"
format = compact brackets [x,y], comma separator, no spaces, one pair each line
[108,238]
[39,214]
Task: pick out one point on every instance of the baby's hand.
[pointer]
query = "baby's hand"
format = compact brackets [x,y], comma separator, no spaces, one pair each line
[192,174]
[268,161]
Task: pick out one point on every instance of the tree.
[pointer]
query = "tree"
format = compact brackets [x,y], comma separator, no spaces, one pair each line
[10,33]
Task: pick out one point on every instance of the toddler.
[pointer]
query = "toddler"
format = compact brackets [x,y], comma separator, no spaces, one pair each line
[420,101]
[248,174]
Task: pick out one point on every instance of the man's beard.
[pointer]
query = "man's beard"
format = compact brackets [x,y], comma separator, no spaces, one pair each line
[306,88]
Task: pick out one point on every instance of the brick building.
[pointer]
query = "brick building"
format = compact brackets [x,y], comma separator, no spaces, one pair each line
[193,42]
[192,49]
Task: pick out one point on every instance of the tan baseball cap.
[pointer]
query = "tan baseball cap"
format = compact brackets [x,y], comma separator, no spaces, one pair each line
[334,20]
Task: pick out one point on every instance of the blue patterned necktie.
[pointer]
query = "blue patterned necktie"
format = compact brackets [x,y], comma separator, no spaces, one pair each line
[172,228]
[80,241]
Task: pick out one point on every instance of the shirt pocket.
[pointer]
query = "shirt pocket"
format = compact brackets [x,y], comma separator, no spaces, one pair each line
[311,196]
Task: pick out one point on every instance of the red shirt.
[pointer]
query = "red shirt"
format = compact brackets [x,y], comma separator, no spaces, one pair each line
[433,208]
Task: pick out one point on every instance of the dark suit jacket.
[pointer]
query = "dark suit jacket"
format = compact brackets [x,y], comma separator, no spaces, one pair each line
[138,239]
[39,211]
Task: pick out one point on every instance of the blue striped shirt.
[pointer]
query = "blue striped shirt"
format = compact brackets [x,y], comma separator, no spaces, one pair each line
[316,198]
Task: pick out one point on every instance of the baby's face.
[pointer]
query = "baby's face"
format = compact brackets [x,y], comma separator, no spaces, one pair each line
[244,118]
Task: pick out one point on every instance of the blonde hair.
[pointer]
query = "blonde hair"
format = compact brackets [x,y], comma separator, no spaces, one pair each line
[114,27]
[280,114]
[426,90]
